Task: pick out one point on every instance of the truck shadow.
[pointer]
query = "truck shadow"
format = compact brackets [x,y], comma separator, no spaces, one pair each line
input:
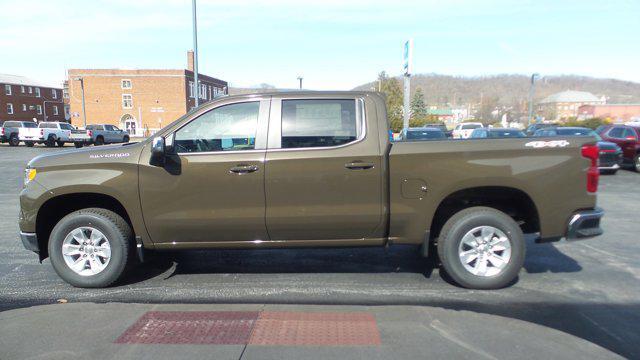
[542,258]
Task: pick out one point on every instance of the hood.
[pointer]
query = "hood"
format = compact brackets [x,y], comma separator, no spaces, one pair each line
[128,152]
[605,145]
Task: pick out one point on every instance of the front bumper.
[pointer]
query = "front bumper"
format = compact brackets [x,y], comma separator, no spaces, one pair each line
[585,224]
[30,241]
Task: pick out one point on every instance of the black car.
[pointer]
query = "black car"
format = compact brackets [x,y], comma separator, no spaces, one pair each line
[426,133]
[537,126]
[610,153]
[483,133]
[9,131]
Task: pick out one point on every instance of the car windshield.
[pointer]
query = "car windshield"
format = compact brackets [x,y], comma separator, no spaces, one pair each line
[471,126]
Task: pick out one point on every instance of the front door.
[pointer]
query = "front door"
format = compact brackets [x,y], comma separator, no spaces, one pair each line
[217,194]
[324,176]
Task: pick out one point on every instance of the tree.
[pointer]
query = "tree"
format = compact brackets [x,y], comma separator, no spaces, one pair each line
[393,91]
[418,107]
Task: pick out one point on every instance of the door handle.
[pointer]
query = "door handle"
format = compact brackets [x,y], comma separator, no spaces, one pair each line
[243,169]
[359,165]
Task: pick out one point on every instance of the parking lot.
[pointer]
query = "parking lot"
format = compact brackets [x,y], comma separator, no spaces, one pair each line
[590,289]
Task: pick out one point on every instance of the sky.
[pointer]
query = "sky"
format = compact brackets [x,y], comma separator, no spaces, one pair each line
[331,44]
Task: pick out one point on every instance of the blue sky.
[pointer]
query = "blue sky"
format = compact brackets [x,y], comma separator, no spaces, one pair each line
[332,44]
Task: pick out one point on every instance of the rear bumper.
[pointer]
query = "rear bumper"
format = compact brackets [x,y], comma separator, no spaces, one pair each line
[30,241]
[609,167]
[585,224]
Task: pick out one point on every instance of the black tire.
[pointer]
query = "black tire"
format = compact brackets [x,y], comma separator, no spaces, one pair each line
[29,143]
[115,229]
[60,143]
[99,141]
[51,141]
[13,140]
[460,224]
[636,163]
[78,145]
[125,139]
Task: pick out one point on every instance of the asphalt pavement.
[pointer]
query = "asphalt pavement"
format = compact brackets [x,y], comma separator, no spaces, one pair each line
[588,289]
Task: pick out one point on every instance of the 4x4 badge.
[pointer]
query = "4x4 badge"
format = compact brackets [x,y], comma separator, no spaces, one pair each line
[545,144]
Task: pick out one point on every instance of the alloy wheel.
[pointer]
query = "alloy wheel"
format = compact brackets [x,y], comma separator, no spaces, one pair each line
[485,251]
[86,251]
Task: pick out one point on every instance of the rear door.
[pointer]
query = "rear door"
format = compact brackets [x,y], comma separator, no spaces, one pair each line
[110,134]
[617,135]
[324,171]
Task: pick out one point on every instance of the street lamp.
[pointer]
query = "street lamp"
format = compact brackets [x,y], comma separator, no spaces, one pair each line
[195,54]
[532,92]
[84,112]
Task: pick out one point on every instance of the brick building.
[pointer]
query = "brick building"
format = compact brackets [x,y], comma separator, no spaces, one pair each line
[564,105]
[615,112]
[24,99]
[140,101]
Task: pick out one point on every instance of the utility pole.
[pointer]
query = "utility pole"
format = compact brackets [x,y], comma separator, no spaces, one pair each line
[300,80]
[407,67]
[195,54]
[532,92]
[84,112]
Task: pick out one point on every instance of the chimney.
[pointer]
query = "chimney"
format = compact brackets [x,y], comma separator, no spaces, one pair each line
[190,60]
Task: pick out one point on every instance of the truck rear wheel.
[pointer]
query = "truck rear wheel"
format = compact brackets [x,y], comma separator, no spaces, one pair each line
[90,248]
[481,248]
[78,145]
[13,140]
[60,143]
[29,143]
[51,141]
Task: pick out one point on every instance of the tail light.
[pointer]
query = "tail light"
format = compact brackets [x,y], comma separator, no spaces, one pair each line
[591,152]
[90,133]
[41,132]
[1,131]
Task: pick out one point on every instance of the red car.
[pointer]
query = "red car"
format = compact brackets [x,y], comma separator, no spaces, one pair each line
[627,137]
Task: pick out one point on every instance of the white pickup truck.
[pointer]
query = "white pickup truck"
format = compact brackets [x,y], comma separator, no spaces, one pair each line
[464,130]
[53,133]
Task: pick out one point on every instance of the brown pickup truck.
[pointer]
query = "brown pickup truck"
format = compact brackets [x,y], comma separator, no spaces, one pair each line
[307,169]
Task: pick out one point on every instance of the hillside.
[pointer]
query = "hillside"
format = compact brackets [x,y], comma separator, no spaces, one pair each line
[514,89]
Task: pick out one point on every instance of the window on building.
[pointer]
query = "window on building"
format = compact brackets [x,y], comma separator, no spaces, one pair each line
[54,94]
[191,89]
[24,107]
[210,94]
[39,109]
[318,123]
[227,128]
[65,93]
[37,92]
[9,108]
[127,101]
[126,84]
[203,91]
[22,89]
[55,110]
[30,90]
[7,89]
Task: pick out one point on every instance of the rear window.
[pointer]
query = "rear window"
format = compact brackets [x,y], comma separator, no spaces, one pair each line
[318,123]
[470,126]
[47,126]
[29,125]
[66,127]
[11,124]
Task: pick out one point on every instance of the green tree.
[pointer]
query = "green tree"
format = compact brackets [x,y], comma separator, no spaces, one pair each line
[418,107]
[393,92]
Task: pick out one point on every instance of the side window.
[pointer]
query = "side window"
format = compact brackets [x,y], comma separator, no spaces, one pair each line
[616,132]
[227,128]
[66,127]
[318,123]
[629,133]
[109,127]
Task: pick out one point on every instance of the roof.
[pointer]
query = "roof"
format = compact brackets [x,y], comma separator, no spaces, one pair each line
[570,96]
[22,80]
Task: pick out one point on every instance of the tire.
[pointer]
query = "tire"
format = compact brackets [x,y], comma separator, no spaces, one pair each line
[51,141]
[464,223]
[78,145]
[99,141]
[636,163]
[60,143]
[112,227]
[29,143]
[125,139]
[13,140]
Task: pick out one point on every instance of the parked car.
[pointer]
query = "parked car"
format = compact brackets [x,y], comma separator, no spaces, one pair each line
[610,157]
[426,133]
[496,133]
[627,138]
[10,129]
[107,134]
[53,133]
[531,129]
[464,130]
[324,177]
[448,133]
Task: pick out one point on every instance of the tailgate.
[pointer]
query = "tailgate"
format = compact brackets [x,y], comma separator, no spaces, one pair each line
[29,133]
[79,135]
[551,171]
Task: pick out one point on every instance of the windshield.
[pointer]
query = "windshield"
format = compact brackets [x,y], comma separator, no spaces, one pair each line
[470,126]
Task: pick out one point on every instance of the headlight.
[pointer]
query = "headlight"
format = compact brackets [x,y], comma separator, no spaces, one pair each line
[29,174]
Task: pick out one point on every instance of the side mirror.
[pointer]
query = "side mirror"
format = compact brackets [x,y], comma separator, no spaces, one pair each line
[158,151]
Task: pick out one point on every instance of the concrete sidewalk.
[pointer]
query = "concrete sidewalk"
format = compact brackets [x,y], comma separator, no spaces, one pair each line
[144,331]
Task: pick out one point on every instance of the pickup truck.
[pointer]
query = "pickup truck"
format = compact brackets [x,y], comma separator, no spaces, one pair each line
[10,130]
[307,169]
[464,130]
[53,133]
[107,134]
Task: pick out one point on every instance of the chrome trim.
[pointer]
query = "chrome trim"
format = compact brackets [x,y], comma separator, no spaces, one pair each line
[223,152]
[613,167]
[361,125]
[574,230]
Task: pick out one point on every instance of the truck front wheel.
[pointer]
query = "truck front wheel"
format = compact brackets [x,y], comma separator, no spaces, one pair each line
[481,248]
[90,248]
